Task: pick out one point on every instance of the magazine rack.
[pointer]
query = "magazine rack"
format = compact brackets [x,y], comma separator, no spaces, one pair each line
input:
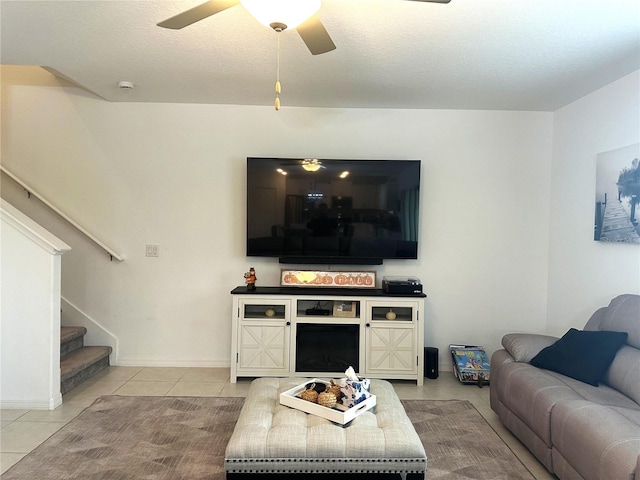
[470,364]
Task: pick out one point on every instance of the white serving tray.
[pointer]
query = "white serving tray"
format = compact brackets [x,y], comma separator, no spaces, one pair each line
[339,414]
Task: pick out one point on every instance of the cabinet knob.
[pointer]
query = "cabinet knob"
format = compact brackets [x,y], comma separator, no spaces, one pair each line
[367,325]
[288,323]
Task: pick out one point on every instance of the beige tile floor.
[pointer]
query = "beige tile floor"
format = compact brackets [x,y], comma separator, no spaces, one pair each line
[24,430]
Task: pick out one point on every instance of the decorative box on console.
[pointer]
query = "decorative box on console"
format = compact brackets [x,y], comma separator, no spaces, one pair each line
[323,278]
[339,414]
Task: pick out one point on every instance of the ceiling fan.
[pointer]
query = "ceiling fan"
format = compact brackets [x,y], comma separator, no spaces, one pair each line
[277,14]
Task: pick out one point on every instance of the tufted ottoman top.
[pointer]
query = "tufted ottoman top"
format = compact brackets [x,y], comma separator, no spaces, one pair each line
[273,438]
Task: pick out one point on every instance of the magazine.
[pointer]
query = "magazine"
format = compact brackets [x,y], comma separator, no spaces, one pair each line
[470,364]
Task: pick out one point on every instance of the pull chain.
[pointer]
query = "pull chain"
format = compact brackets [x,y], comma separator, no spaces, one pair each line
[278,89]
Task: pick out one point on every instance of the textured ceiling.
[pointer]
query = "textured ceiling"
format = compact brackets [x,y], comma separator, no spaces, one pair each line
[469,54]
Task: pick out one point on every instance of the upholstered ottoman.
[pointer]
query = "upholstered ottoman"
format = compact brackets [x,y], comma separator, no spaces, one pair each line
[270,438]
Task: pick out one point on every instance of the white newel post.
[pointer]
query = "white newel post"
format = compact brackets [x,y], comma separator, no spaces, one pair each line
[30,285]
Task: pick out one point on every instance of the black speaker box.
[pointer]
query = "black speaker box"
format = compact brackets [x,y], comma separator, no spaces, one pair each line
[430,362]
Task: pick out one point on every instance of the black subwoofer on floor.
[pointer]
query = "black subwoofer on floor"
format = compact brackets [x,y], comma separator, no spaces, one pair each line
[430,362]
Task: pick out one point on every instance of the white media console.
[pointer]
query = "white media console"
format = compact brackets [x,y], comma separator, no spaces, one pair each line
[319,332]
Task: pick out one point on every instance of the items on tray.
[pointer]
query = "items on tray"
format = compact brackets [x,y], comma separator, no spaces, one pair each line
[325,394]
[338,413]
[354,389]
[351,391]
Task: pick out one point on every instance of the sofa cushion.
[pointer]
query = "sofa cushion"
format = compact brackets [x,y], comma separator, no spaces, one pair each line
[583,355]
[597,441]
[524,346]
[623,373]
[530,393]
[601,394]
[622,315]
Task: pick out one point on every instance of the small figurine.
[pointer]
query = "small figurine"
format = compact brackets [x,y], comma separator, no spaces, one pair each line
[250,279]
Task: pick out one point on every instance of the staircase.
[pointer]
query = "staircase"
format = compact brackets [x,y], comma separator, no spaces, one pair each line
[77,362]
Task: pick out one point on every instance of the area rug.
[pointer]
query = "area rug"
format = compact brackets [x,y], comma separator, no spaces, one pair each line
[460,444]
[184,438]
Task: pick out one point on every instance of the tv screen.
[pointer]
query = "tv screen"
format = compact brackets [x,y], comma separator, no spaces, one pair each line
[332,210]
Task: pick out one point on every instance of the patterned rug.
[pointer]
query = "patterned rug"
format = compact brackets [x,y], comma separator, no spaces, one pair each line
[460,444]
[184,438]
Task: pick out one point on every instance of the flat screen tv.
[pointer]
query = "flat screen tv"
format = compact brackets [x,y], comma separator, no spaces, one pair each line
[332,211]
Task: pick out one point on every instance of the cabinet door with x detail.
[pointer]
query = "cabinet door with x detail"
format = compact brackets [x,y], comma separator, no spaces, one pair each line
[391,338]
[263,339]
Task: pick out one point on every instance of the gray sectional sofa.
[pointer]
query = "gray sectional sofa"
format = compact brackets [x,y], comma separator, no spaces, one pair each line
[576,429]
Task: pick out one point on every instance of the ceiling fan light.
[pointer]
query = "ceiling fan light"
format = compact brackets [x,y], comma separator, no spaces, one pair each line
[311,164]
[289,12]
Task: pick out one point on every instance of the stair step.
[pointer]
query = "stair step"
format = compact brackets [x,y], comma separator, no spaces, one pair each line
[81,364]
[70,333]
[71,339]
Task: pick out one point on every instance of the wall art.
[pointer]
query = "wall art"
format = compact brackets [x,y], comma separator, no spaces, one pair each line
[617,206]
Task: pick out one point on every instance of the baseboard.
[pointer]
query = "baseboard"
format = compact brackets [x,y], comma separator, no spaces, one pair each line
[162,362]
[26,403]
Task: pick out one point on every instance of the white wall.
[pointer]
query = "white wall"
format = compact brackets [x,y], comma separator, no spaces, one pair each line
[174,175]
[584,274]
[30,313]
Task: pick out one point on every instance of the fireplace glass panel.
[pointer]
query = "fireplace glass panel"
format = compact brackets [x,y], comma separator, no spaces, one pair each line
[327,347]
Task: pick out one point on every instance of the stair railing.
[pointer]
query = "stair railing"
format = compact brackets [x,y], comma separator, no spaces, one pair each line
[30,191]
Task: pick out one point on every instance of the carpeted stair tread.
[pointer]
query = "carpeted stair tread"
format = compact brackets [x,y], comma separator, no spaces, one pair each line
[68,334]
[81,359]
[71,339]
[77,362]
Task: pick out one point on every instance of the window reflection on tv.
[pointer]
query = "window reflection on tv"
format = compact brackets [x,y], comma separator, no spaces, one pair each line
[332,210]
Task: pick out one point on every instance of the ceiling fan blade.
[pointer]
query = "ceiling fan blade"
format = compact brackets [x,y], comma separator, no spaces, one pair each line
[315,36]
[196,14]
[432,1]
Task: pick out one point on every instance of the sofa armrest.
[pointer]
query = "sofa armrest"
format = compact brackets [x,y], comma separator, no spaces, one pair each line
[524,346]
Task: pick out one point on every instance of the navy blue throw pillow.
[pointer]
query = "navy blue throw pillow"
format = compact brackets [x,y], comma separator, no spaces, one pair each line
[583,355]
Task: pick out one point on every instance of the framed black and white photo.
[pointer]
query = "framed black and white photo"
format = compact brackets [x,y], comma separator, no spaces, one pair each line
[617,202]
